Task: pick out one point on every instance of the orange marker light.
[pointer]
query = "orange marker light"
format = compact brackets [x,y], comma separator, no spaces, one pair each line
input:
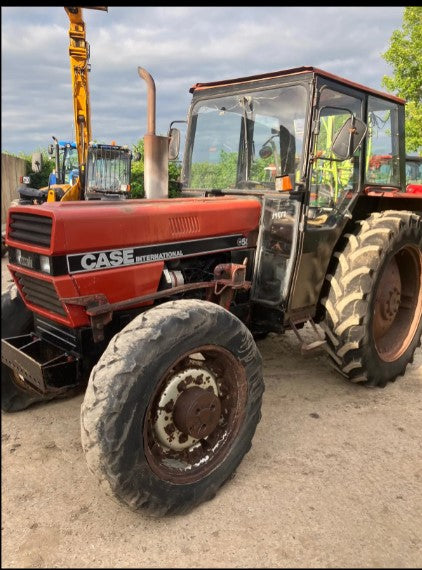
[283,183]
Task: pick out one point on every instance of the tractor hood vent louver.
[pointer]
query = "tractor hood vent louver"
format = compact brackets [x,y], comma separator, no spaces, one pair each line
[184,225]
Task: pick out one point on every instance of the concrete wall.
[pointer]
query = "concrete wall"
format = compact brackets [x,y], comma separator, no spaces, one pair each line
[12,168]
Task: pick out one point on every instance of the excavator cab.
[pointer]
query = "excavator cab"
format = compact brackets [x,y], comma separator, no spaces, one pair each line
[108,172]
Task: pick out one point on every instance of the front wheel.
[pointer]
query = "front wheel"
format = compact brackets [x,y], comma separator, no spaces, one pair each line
[172,406]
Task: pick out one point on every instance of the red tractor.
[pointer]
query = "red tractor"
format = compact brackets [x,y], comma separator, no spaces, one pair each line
[381,167]
[151,306]
[414,174]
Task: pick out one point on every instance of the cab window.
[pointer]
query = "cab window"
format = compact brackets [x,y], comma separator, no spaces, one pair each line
[333,182]
[382,157]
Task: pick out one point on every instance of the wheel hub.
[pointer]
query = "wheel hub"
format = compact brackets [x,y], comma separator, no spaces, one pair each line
[388,299]
[398,303]
[197,412]
[178,434]
[390,305]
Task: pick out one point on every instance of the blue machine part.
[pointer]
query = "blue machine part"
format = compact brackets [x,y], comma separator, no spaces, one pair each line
[64,144]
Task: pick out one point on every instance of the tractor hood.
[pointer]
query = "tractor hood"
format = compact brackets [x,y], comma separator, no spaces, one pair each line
[76,227]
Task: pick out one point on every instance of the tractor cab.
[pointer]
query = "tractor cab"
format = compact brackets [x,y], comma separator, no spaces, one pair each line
[249,134]
[304,142]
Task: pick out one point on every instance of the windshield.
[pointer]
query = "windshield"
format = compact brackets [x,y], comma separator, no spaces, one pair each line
[246,140]
[108,170]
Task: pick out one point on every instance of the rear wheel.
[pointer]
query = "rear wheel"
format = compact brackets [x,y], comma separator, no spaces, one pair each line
[374,306]
[172,406]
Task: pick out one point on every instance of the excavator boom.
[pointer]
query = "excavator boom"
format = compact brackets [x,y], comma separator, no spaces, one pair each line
[79,67]
[101,169]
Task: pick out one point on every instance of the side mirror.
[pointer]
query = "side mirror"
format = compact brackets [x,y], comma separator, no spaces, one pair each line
[50,149]
[36,162]
[174,143]
[349,138]
[266,152]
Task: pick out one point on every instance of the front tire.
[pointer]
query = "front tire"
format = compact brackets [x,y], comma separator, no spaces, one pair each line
[172,406]
[373,317]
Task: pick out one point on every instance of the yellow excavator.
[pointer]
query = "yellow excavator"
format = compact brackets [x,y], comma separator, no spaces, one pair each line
[83,170]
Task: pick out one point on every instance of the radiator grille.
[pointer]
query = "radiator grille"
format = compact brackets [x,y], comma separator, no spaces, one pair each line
[41,293]
[30,228]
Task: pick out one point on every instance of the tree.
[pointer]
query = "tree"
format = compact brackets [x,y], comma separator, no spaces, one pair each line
[137,172]
[39,179]
[405,55]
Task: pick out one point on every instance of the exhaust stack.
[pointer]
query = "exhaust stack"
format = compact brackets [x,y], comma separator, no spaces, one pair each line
[156,164]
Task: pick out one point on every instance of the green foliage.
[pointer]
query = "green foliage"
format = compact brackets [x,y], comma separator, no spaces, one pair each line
[39,179]
[175,188]
[137,171]
[405,56]
[414,127]
[215,175]
[207,175]
[258,166]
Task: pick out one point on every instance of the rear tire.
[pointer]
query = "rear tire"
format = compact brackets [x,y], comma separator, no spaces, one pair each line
[171,406]
[373,320]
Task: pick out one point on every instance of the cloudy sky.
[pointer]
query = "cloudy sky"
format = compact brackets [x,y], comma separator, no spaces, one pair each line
[179,46]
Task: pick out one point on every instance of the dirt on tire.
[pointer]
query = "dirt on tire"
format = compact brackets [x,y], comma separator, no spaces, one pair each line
[139,361]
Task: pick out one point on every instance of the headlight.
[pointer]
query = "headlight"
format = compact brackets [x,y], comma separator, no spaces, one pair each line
[45,264]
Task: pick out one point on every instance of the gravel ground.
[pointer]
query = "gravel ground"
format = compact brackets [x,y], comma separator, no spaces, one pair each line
[333,479]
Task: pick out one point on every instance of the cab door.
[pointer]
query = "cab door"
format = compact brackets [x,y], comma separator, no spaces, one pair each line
[332,186]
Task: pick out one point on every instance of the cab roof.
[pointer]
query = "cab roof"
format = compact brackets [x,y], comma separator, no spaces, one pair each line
[293,71]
